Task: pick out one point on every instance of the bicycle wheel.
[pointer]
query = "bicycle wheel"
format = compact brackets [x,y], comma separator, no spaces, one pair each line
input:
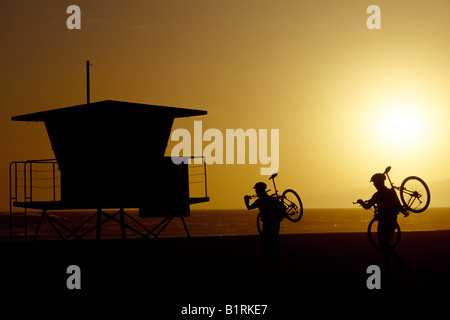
[373,237]
[259,223]
[294,206]
[415,194]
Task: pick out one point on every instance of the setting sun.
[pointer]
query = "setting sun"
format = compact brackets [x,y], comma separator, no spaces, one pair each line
[402,123]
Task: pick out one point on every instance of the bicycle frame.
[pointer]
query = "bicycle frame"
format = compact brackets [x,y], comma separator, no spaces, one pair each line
[272,177]
[412,193]
[406,204]
[386,173]
[289,200]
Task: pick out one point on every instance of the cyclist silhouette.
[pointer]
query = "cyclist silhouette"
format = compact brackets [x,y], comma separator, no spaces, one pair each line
[389,207]
[270,217]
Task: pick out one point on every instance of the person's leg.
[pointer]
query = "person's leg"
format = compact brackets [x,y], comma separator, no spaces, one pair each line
[385,231]
[269,236]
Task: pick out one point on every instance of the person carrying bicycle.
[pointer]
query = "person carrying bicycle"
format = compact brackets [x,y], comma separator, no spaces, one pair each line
[388,206]
[271,218]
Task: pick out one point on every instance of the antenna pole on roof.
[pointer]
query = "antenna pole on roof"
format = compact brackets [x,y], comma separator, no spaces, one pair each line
[88,89]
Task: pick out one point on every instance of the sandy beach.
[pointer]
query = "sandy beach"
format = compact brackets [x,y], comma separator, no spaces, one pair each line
[171,273]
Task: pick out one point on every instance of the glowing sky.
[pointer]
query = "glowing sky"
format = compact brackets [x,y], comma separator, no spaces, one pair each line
[348,101]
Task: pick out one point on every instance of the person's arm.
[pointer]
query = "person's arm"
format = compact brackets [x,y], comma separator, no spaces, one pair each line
[248,205]
[368,203]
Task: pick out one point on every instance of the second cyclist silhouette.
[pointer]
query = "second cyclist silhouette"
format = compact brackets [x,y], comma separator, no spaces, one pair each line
[388,206]
[271,217]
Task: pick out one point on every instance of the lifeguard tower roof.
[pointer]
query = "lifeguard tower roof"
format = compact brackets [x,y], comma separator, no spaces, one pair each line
[109,106]
[111,154]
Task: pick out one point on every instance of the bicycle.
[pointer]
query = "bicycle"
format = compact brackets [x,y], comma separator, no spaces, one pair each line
[290,202]
[415,197]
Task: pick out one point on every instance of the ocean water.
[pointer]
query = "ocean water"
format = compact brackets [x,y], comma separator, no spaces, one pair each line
[236,222]
[243,222]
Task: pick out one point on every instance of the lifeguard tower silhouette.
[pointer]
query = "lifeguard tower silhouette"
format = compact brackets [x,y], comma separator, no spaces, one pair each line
[109,155]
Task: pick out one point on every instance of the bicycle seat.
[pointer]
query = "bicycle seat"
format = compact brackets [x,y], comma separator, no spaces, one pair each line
[273,176]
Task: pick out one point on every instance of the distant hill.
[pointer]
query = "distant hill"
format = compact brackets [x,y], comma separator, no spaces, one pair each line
[440,196]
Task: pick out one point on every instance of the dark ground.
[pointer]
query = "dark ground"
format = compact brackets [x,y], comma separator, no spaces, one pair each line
[170,273]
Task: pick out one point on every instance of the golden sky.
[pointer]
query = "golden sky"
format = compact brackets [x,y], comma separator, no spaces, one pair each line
[348,101]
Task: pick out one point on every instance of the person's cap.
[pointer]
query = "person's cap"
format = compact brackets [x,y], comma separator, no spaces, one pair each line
[378,177]
[260,186]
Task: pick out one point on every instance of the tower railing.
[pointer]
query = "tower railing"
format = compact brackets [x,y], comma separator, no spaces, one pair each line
[198,188]
[30,181]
